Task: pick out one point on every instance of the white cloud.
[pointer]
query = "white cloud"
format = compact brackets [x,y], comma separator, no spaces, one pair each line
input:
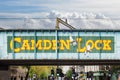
[78,20]
[22,15]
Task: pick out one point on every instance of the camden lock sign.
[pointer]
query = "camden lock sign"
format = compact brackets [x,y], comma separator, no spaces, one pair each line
[64,44]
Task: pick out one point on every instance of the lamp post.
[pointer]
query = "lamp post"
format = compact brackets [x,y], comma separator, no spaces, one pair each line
[52,74]
[73,73]
[57,72]
[34,76]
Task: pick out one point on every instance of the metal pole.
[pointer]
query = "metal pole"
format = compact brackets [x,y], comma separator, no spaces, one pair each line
[57,51]
[57,75]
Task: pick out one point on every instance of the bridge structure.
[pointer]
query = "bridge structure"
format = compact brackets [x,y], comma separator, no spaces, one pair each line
[23,47]
[59,47]
[26,47]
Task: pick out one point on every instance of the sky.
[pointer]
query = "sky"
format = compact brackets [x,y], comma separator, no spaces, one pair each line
[82,14]
[18,8]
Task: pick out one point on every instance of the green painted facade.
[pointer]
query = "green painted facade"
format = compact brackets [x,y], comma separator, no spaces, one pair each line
[94,44]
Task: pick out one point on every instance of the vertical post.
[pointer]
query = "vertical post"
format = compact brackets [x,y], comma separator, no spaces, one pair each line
[57,77]
[57,50]
[57,24]
[57,72]
[100,45]
[35,52]
[57,44]
[13,34]
[78,52]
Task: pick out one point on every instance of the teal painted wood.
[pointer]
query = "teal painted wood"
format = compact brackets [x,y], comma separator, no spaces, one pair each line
[100,45]
[35,51]
[13,34]
[57,44]
[55,34]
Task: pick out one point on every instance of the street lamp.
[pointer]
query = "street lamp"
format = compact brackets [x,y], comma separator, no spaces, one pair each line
[34,76]
[73,73]
[52,74]
[57,72]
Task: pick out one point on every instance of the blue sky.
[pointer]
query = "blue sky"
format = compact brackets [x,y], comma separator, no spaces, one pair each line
[107,7]
[86,9]
[29,6]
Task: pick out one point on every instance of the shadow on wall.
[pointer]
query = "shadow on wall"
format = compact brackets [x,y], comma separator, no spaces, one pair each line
[4,75]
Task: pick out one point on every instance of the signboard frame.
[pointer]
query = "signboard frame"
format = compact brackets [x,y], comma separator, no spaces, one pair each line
[57,33]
